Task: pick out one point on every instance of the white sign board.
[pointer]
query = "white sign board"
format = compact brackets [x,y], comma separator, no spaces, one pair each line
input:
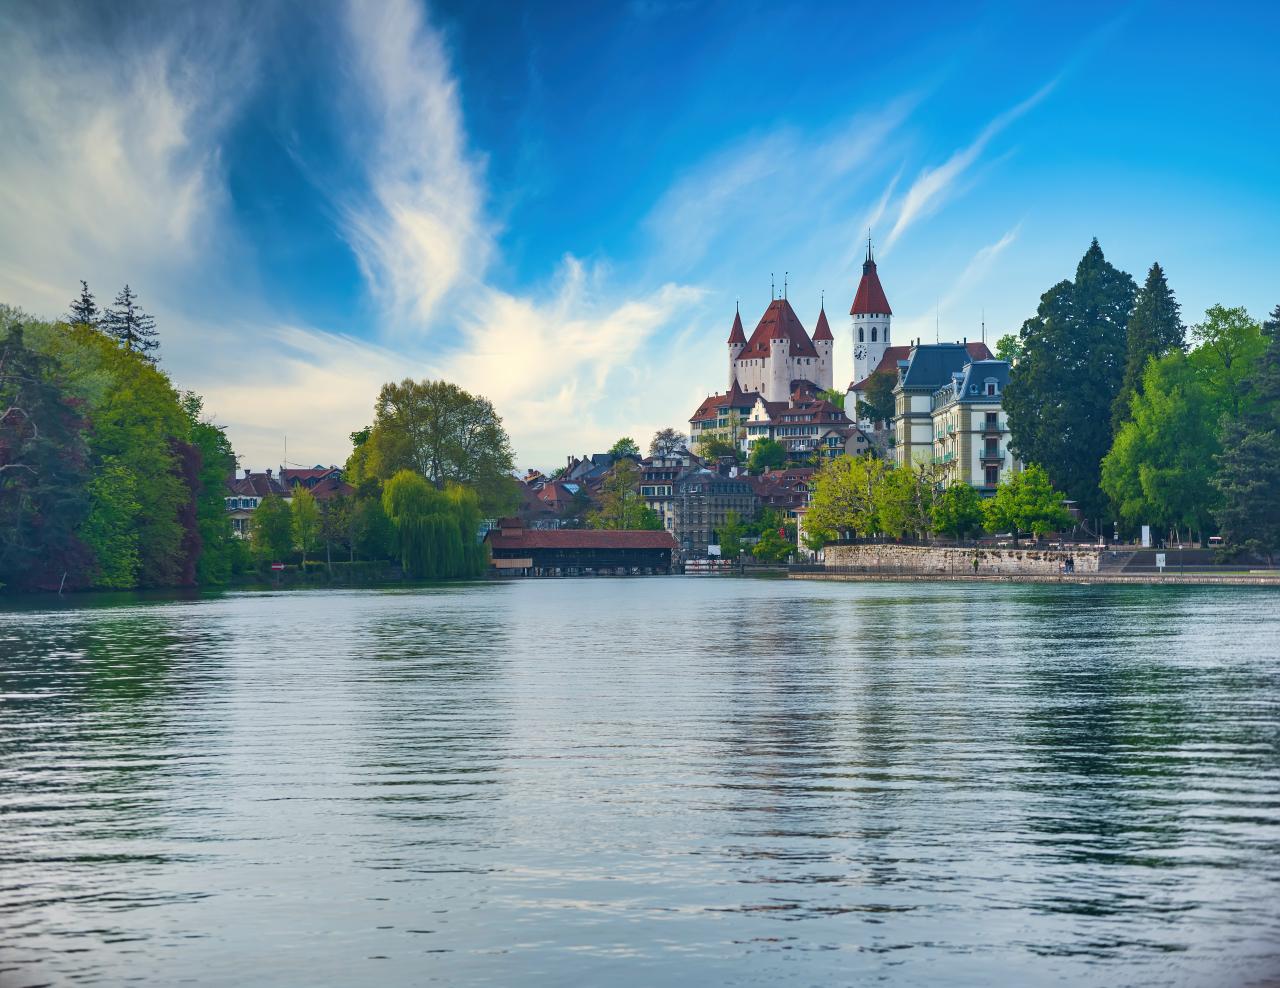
[1146,536]
[713,550]
[1160,561]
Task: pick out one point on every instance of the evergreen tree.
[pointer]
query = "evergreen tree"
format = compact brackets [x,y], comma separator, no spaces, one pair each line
[1155,328]
[129,326]
[1249,466]
[84,310]
[1062,389]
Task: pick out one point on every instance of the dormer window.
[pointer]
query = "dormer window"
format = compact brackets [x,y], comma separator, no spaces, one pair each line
[991,386]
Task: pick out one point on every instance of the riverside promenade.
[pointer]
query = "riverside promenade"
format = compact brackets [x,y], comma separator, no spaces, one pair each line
[1242,579]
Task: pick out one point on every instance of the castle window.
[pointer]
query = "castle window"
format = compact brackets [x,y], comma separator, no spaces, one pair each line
[861,334]
[873,334]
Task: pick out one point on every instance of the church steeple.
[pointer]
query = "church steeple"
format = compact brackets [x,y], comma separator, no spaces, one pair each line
[736,335]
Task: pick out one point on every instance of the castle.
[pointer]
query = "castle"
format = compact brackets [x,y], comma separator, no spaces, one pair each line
[780,355]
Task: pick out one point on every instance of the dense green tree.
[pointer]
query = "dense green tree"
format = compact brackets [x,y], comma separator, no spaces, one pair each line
[1008,348]
[1160,468]
[1249,466]
[428,528]
[272,530]
[712,446]
[1155,329]
[1229,344]
[626,446]
[372,534]
[43,473]
[84,310]
[1027,502]
[766,454]
[958,511]
[730,535]
[666,442]
[773,546]
[836,398]
[621,506]
[904,501]
[1064,384]
[844,496]
[218,547]
[443,434]
[128,325]
[465,505]
[877,400]
[110,531]
[306,521]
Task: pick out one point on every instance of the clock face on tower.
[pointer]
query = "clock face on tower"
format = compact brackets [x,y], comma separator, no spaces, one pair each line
[859,352]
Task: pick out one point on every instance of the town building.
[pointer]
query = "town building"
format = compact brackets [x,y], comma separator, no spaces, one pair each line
[701,504]
[970,432]
[926,368]
[244,494]
[806,424]
[658,478]
[870,319]
[515,550]
[785,491]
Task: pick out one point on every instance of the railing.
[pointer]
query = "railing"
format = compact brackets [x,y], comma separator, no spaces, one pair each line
[992,456]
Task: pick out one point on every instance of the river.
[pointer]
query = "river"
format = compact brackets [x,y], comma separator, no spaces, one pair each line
[673,781]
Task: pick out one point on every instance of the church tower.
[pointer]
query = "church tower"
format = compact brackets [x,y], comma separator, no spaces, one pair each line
[871,316]
[737,340]
[824,342]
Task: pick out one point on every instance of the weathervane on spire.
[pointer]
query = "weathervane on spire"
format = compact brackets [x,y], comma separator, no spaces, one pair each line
[773,287]
[784,283]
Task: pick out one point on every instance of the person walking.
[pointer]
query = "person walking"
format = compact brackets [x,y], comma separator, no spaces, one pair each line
[975,565]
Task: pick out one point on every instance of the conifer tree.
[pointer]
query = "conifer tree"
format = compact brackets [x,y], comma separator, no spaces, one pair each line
[132,328]
[84,310]
[1249,466]
[1061,390]
[1155,329]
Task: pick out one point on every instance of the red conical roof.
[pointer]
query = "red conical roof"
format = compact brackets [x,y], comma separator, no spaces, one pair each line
[779,322]
[870,298]
[822,331]
[736,335]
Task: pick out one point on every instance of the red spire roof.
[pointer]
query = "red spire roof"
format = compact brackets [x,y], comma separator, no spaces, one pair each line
[822,331]
[736,335]
[779,322]
[870,298]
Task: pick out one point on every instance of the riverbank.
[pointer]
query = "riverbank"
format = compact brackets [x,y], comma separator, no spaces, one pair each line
[1186,579]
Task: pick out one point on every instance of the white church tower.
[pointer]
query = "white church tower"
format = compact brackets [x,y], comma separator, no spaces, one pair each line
[870,316]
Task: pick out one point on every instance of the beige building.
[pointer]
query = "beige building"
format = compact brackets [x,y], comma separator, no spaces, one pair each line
[970,432]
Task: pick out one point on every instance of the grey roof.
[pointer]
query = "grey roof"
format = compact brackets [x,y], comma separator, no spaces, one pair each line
[931,365]
[978,373]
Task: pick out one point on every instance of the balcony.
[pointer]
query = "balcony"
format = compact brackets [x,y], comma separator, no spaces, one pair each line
[992,429]
[991,457]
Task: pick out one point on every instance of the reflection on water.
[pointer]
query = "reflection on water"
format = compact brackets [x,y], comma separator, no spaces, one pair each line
[644,781]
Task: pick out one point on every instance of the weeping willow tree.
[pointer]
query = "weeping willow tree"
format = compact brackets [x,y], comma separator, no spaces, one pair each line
[436,531]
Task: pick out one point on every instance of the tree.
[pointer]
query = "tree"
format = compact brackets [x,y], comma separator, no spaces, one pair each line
[445,435]
[904,501]
[877,403]
[372,534]
[958,511]
[626,446]
[730,535]
[110,531]
[773,546]
[129,326]
[272,529]
[836,398]
[1160,467]
[43,473]
[667,442]
[429,526]
[621,506]
[84,310]
[766,454]
[1026,502]
[1072,365]
[305,520]
[1155,328]
[712,446]
[844,494]
[1229,344]
[1008,348]
[217,462]
[1249,467]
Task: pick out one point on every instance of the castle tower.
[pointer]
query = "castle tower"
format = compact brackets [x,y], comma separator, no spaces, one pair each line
[737,340]
[823,342]
[870,316]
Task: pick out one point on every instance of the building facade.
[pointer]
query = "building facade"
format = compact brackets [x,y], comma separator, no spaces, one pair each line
[970,431]
[702,502]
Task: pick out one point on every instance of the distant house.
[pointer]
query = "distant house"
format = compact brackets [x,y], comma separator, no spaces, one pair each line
[244,494]
[785,491]
[970,431]
[309,477]
[806,424]
[515,550]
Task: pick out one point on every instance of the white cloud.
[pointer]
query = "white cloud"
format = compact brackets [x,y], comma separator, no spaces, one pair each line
[934,185]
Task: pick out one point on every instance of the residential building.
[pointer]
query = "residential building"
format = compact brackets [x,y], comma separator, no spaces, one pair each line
[703,499]
[658,478]
[785,491]
[805,424]
[926,368]
[970,432]
[244,494]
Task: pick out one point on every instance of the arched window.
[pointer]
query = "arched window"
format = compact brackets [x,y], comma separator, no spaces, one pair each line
[861,335]
[873,334]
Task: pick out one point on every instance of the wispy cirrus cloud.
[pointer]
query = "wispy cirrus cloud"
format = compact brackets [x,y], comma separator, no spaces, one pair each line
[934,186]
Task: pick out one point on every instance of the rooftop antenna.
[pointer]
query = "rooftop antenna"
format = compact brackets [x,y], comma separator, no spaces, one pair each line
[784,283]
[773,288]
[984,325]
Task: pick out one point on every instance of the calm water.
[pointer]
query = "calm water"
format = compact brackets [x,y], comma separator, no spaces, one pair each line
[642,782]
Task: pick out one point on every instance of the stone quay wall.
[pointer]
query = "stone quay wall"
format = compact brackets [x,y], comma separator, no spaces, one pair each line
[956,561]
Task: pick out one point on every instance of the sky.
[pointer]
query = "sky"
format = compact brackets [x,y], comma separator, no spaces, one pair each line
[558,205]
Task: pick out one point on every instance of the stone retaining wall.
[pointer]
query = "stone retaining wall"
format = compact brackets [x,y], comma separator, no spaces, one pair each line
[913,559]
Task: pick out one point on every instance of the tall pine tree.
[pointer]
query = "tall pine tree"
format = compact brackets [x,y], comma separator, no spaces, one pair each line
[1071,368]
[1249,465]
[132,328]
[84,310]
[1154,329]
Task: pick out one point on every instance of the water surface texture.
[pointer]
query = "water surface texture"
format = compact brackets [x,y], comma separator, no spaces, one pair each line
[641,782]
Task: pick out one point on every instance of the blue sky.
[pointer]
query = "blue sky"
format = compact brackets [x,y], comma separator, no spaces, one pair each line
[558,205]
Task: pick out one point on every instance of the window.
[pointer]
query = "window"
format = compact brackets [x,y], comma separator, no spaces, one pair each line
[861,335]
[873,334]
[973,389]
[992,476]
[991,386]
[993,422]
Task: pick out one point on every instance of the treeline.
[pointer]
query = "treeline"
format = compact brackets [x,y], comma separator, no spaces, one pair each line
[109,477]
[866,497]
[1139,420]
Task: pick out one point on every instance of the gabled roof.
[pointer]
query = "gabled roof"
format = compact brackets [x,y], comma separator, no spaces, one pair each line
[736,335]
[331,487]
[256,485]
[779,322]
[735,397]
[870,298]
[823,330]
[892,355]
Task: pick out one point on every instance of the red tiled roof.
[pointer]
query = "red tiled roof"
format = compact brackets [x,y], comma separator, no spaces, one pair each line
[736,335]
[256,485]
[290,474]
[735,397]
[889,362]
[823,330]
[779,322]
[870,297]
[331,487]
[581,538]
